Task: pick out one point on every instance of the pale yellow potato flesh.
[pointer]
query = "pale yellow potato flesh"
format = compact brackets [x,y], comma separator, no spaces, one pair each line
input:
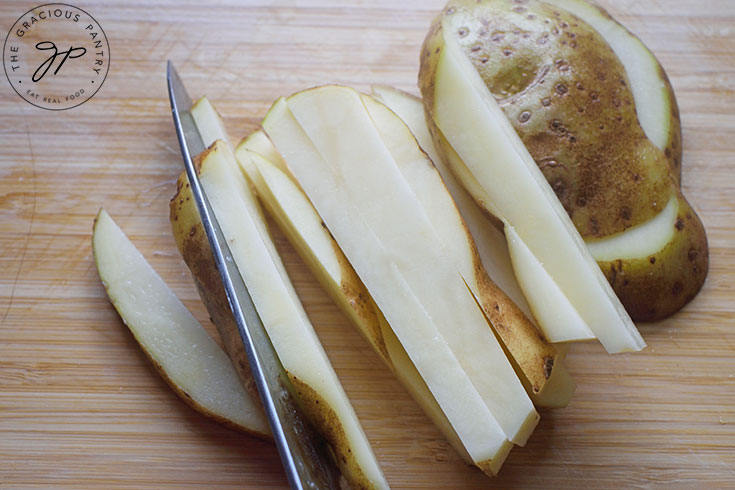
[530,288]
[297,218]
[276,301]
[491,243]
[562,322]
[185,355]
[641,240]
[380,265]
[529,351]
[465,107]
[288,327]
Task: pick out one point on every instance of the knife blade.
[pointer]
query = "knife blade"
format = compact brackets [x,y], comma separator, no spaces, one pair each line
[305,456]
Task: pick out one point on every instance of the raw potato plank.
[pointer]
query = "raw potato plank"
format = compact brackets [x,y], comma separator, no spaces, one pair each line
[464,105]
[361,242]
[533,357]
[195,367]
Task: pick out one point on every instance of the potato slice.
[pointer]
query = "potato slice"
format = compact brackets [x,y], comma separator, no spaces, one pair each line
[493,252]
[463,107]
[529,351]
[321,395]
[297,218]
[195,367]
[453,349]
[597,113]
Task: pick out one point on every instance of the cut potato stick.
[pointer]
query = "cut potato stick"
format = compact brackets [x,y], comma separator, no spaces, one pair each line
[529,351]
[195,367]
[463,106]
[297,218]
[526,346]
[338,178]
[320,393]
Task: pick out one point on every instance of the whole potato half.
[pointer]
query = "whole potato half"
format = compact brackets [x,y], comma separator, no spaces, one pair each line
[568,96]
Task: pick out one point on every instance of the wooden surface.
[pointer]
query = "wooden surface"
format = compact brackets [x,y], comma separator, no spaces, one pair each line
[80,407]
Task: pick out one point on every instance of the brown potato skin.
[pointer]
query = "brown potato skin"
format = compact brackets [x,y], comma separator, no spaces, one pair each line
[672,276]
[194,247]
[567,95]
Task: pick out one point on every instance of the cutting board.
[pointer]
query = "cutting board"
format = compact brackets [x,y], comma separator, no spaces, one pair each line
[80,407]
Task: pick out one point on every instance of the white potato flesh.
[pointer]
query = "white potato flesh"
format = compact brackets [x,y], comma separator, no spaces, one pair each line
[300,222]
[562,322]
[276,301]
[464,108]
[556,317]
[641,240]
[169,334]
[489,240]
[378,252]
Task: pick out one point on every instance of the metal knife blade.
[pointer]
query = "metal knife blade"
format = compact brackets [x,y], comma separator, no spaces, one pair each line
[305,456]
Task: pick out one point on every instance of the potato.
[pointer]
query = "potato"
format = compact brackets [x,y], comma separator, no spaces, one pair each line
[570,99]
[320,394]
[195,367]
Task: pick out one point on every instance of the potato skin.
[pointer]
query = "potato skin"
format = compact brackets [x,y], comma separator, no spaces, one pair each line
[567,95]
[658,285]
[193,246]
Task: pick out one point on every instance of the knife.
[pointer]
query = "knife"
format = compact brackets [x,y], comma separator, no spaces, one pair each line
[305,456]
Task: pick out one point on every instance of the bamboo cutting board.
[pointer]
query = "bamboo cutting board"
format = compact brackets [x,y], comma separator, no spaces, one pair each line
[80,407]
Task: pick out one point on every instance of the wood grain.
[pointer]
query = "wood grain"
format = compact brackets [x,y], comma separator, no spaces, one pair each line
[81,408]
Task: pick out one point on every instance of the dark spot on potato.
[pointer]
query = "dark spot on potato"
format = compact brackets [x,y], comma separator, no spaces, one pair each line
[476,47]
[548,366]
[560,189]
[625,213]
[497,36]
[507,52]
[546,102]
[581,201]
[679,224]
[594,226]
[463,31]
[450,10]
[193,231]
[677,289]
[652,260]
[436,51]
[625,282]
[519,9]
[573,44]
[496,306]
[572,139]
[524,116]
[579,86]
[543,39]
[594,96]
